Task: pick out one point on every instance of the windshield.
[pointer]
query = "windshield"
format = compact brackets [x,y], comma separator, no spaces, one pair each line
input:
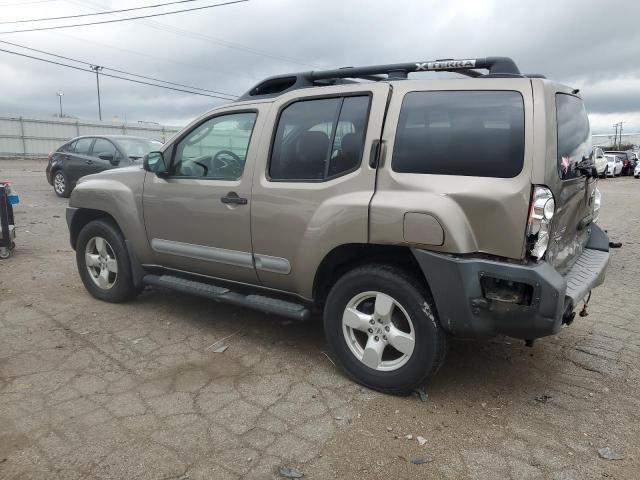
[138,147]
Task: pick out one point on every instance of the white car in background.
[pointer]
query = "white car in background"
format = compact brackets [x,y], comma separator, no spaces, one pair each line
[614,165]
[600,162]
[636,172]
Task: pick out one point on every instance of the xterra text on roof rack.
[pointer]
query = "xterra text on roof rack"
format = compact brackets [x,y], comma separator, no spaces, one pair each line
[407,211]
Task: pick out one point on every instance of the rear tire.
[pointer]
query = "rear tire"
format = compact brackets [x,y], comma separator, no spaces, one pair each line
[103,262]
[403,315]
[61,185]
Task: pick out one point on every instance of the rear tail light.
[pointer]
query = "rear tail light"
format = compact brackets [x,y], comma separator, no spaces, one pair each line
[541,212]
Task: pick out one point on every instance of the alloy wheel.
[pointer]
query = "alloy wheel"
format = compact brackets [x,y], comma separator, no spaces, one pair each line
[58,183]
[378,331]
[101,263]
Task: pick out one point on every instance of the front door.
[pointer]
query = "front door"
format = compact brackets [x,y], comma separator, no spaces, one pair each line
[198,217]
[96,164]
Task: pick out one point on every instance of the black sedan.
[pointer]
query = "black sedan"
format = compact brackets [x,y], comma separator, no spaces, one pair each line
[92,154]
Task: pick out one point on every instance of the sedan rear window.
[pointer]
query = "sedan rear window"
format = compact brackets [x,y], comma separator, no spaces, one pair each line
[83,145]
[472,133]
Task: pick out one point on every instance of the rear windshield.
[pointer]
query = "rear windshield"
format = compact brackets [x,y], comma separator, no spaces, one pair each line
[574,135]
[473,133]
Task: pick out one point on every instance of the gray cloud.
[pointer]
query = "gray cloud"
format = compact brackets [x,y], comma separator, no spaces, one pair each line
[230,48]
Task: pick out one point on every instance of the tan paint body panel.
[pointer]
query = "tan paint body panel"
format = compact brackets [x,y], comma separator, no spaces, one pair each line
[571,196]
[188,212]
[304,221]
[422,229]
[290,227]
[117,192]
[477,214]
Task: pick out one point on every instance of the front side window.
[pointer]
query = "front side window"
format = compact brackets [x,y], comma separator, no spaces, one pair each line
[319,139]
[83,145]
[472,133]
[215,149]
[574,135]
[102,146]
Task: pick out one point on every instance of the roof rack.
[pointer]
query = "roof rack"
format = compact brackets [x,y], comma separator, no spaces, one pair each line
[273,86]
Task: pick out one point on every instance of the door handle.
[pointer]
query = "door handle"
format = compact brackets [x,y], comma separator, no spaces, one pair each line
[89,162]
[232,198]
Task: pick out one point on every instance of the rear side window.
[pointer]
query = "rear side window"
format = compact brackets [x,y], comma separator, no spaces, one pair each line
[472,133]
[69,147]
[319,139]
[83,145]
[574,135]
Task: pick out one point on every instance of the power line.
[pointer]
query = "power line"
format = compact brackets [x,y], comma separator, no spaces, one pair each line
[118,71]
[135,52]
[128,18]
[206,38]
[236,46]
[112,76]
[100,13]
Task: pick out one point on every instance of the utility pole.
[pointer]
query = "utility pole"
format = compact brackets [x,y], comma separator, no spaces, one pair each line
[615,138]
[60,94]
[97,69]
[620,142]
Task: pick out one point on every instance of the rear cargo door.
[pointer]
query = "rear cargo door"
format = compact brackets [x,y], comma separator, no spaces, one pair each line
[572,188]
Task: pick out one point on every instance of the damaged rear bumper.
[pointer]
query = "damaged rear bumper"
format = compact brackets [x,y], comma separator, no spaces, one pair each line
[466,308]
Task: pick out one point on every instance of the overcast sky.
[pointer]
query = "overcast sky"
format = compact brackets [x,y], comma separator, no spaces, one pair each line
[594,46]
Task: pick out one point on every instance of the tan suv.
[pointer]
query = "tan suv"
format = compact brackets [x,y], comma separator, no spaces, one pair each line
[407,211]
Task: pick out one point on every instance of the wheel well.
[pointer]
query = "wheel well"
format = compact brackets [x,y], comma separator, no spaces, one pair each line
[347,257]
[81,218]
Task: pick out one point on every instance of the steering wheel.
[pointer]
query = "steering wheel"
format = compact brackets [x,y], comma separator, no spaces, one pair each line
[233,162]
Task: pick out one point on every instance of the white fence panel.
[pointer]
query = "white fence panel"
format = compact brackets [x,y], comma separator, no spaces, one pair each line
[35,137]
[10,126]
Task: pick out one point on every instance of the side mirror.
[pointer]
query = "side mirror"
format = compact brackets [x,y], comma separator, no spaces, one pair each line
[108,157]
[154,162]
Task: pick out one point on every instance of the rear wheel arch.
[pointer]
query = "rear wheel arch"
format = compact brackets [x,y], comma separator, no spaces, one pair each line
[345,258]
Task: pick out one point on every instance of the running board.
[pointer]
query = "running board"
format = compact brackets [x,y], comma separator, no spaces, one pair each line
[275,306]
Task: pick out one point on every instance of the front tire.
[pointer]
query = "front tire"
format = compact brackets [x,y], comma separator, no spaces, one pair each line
[383,329]
[61,185]
[103,262]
